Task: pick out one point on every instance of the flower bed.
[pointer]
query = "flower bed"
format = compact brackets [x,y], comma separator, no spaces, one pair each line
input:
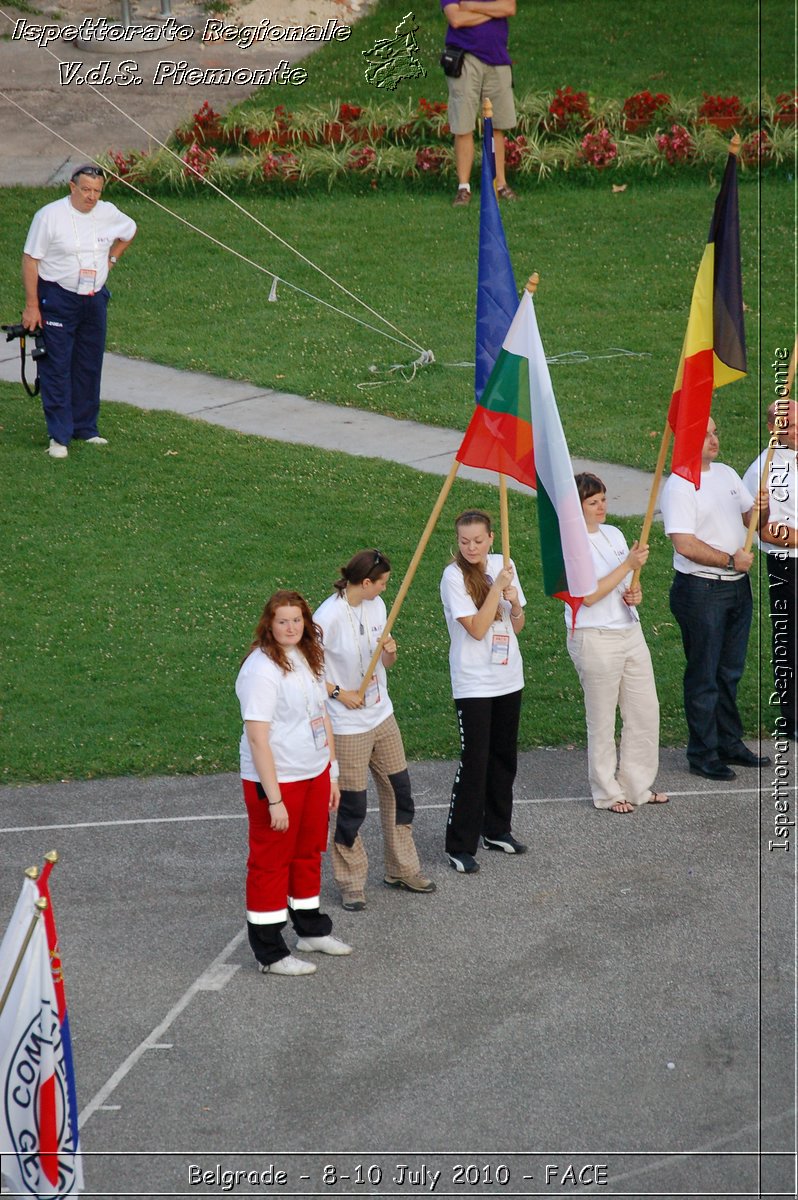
[567,131]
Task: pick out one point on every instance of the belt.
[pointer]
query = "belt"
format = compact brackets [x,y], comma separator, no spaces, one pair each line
[725,577]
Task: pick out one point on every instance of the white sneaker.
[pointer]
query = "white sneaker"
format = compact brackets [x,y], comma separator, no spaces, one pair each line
[288,966]
[56,450]
[96,441]
[324,945]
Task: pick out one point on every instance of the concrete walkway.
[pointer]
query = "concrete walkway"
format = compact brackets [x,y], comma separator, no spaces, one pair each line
[287,418]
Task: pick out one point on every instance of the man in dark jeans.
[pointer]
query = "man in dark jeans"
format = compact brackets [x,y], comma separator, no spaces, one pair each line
[711,600]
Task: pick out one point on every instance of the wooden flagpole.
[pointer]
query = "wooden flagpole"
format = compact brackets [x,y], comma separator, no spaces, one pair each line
[504,518]
[408,579]
[659,470]
[40,905]
[772,444]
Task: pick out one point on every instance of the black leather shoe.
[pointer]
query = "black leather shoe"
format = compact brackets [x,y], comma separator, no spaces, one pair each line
[714,769]
[745,758]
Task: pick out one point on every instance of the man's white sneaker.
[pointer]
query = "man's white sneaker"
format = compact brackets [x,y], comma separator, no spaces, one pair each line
[288,966]
[324,945]
[56,450]
[96,441]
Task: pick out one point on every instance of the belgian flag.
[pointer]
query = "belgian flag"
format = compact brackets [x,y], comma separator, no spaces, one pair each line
[713,353]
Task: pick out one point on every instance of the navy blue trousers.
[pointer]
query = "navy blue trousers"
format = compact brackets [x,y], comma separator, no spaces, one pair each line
[715,619]
[74,337]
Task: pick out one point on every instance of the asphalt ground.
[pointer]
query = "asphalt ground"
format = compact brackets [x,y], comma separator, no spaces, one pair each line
[619,1002]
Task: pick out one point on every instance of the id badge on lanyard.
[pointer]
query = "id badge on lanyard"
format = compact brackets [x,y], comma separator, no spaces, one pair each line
[372,695]
[86,280]
[499,649]
[319,732]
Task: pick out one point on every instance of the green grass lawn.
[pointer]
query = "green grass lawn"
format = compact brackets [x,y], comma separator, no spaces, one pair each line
[135,575]
[603,47]
[616,271]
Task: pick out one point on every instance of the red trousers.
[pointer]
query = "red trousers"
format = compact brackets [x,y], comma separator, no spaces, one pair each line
[285,868]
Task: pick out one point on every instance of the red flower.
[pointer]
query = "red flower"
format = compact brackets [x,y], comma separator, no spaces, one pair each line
[513,151]
[197,160]
[757,149]
[280,166]
[677,146]
[430,159]
[787,104]
[598,149]
[361,158]
[569,108]
[720,106]
[205,116]
[642,106]
[124,163]
[433,109]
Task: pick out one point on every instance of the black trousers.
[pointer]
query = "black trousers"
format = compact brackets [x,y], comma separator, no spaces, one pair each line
[482,794]
[783,595]
[266,941]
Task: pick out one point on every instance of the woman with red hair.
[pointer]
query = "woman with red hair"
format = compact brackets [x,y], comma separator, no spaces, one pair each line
[290,780]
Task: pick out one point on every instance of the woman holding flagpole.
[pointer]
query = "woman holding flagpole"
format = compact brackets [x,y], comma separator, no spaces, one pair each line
[484,608]
[290,780]
[613,662]
[367,737]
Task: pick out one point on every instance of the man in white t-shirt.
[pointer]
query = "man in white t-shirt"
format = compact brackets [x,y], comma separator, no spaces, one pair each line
[71,246]
[778,540]
[711,600]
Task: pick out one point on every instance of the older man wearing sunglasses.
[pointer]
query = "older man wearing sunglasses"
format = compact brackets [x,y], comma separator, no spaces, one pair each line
[71,246]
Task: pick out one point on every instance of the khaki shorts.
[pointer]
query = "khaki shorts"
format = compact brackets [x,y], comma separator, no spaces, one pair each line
[479,81]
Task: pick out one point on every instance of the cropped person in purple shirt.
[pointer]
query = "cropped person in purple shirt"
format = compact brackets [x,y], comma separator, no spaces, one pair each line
[479,27]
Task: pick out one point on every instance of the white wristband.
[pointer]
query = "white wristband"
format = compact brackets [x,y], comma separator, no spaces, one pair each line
[335,770]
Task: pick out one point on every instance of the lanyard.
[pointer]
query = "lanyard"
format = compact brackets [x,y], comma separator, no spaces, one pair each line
[77,235]
[301,665]
[356,636]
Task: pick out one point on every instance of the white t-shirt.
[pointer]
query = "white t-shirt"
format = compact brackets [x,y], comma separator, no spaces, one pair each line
[473,665]
[609,549]
[713,513]
[782,485]
[288,701]
[65,240]
[350,639]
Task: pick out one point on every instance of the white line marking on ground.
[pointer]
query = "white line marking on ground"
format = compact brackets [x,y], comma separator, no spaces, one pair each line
[153,1042]
[419,808]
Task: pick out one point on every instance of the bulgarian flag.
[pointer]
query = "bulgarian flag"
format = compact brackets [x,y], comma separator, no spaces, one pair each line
[516,430]
[713,353]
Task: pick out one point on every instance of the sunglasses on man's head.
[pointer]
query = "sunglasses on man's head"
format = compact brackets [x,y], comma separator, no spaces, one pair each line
[97,172]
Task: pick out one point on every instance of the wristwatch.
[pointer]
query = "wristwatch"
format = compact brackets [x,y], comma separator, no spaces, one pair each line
[113,259]
[336,692]
[730,563]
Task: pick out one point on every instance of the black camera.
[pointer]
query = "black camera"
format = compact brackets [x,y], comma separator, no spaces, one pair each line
[19,331]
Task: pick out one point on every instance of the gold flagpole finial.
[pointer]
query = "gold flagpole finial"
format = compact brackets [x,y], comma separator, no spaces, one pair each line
[51,857]
[735,145]
[41,904]
[487,108]
[31,872]
[532,282]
